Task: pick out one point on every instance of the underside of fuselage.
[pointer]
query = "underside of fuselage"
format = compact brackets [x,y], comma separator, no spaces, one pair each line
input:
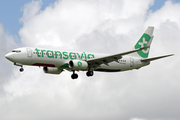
[107,70]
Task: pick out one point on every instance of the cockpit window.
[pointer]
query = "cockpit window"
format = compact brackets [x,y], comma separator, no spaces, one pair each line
[17,51]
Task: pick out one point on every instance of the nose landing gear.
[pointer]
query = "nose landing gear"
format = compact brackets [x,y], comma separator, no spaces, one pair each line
[21,69]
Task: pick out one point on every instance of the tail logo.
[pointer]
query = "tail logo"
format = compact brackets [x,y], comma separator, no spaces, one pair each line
[143,41]
[142,44]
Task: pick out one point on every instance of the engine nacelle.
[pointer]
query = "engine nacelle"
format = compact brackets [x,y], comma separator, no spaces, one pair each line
[78,65]
[52,70]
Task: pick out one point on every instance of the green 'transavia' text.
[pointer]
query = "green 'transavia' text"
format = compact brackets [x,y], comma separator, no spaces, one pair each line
[63,55]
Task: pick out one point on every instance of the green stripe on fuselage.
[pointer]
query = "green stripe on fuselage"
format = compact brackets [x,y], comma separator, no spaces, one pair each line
[65,66]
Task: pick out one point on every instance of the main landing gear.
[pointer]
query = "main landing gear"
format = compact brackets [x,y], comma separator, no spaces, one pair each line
[74,75]
[21,69]
[88,73]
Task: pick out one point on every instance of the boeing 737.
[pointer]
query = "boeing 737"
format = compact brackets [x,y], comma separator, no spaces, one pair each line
[56,61]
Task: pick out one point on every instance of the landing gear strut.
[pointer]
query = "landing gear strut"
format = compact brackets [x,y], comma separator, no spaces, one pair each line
[90,73]
[21,69]
[74,75]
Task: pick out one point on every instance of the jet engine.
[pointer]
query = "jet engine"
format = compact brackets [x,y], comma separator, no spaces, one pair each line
[52,70]
[78,65]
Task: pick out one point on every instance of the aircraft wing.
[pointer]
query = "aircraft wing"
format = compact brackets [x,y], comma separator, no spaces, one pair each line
[96,62]
[155,58]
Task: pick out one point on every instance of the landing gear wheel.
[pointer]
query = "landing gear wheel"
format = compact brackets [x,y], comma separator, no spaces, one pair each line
[21,69]
[90,73]
[74,76]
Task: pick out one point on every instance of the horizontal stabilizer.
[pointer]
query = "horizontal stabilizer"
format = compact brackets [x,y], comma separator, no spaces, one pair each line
[155,58]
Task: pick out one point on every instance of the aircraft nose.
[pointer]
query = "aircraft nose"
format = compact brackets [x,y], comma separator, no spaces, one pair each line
[9,56]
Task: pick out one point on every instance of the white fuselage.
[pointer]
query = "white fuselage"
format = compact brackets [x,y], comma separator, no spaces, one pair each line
[60,59]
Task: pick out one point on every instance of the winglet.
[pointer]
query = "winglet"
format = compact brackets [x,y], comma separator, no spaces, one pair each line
[149,43]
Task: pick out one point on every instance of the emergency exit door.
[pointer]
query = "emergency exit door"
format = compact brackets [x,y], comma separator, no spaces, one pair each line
[29,52]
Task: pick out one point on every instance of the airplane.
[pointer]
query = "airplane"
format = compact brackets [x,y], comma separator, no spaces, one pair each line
[56,61]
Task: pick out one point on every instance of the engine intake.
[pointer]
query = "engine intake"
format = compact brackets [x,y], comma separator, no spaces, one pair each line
[52,70]
[78,65]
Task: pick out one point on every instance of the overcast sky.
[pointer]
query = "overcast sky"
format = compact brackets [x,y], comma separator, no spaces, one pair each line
[102,26]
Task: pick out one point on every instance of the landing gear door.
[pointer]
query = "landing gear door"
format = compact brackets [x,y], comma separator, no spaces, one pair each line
[29,52]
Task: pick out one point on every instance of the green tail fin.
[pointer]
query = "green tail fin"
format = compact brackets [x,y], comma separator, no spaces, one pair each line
[143,42]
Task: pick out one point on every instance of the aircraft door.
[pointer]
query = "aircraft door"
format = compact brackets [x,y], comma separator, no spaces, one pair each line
[131,62]
[29,52]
